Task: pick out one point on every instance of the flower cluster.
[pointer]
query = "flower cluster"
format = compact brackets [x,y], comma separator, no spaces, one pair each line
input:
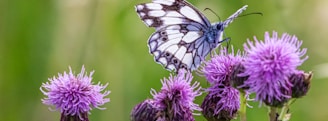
[74,95]
[270,65]
[221,103]
[222,100]
[267,68]
[174,102]
[220,67]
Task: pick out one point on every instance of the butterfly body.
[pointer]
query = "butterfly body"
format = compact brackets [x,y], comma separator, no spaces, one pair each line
[214,34]
[184,36]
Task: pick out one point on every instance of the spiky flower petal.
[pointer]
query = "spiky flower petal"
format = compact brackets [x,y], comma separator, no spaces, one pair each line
[177,95]
[220,67]
[270,63]
[74,95]
[146,111]
[221,103]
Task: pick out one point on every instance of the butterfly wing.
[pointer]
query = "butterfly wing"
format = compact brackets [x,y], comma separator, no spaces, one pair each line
[162,13]
[179,46]
[179,40]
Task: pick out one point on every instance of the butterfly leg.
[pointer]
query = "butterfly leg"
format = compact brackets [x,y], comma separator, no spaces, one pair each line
[228,43]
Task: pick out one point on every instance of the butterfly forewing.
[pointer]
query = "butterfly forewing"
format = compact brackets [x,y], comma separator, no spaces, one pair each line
[161,13]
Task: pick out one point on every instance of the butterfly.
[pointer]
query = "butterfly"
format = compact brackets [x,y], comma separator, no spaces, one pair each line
[183,36]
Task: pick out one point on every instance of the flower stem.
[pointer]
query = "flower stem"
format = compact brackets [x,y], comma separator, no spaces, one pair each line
[273,114]
[243,105]
[284,116]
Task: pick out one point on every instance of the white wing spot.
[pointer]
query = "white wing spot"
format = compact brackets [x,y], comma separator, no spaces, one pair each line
[187,59]
[140,7]
[156,53]
[149,21]
[172,49]
[156,13]
[172,32]
[168,43]
[181,52]
[191,36]
[170,20]
[173,36]
[142,14]
[165,2]
[152,45]
[171,67]
[173,14]
[190,13]
[154,6]
[174,27]
[162,61]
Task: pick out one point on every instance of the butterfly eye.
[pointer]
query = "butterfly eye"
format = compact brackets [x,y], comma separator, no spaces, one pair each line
[219,26]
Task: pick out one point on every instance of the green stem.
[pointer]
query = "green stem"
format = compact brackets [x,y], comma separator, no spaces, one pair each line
[284,116]
[273,114]
[243,105]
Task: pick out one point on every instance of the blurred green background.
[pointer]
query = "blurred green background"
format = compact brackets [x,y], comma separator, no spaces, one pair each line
[40,38]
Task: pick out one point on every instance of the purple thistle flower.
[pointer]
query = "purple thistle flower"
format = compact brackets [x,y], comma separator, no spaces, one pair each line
[301,83]
[177,95]
[147,111]
[220,67]
[74,95]
[270,63]
[221,104]
[236,80]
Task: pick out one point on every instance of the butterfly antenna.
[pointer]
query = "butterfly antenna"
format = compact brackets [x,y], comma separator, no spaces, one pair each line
[253,13]
[213,13]
[228,45]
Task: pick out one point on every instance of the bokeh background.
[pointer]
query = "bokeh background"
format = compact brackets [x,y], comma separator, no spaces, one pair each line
[40,38]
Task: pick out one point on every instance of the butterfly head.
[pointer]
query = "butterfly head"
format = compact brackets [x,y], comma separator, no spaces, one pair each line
[218,29]
[219,26]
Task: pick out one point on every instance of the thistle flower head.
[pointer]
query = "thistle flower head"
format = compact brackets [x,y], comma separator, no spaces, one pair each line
[74,95]
[146,111]
[219,68]
[221,103]
[301,83]
[270,63]
[177,94]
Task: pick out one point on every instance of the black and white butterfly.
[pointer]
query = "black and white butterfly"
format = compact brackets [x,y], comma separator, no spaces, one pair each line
[184,36]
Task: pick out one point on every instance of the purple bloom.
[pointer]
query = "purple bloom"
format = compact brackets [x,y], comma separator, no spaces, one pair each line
[220,67]
[301,83]
[236,80]
[177,96]
[74,95]
[221,104]
[270,63]
[147,111]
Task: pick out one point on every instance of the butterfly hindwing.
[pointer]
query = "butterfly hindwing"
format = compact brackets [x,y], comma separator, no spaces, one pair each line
[179,46]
